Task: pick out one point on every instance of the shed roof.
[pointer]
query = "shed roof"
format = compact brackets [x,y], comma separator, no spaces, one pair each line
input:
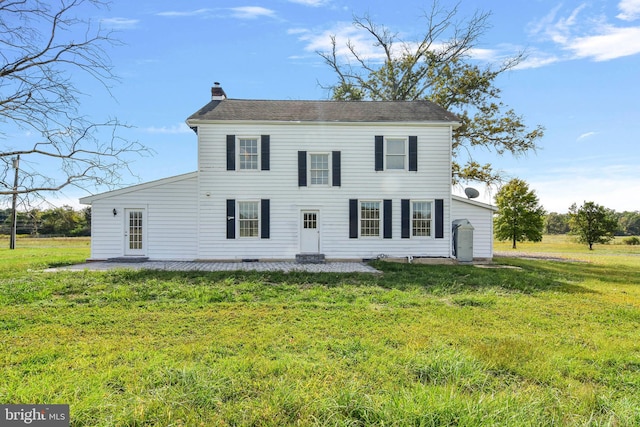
[323,111]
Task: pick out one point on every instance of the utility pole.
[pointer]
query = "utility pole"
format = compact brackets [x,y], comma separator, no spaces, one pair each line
[14,212]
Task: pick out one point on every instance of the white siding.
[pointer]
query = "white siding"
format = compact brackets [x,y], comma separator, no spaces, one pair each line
[481,218]
[280,185]
[170,213]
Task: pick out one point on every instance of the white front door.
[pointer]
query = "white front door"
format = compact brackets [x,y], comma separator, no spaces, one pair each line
[310,232]
[134,232]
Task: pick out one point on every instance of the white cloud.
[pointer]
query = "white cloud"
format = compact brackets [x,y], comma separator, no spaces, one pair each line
[537,60]
[612,43]
[296,31]
[629,10]
[185,13]
[485,54]
[120,23]
[344,33]
[586,135]
[313,3]
[252,12]
[168,130]
[591,36]
[241,12]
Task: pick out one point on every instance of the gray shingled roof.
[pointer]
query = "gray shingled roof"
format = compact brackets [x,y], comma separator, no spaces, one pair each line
[324,111]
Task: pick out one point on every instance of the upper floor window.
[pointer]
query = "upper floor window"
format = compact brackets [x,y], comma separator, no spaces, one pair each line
[396,153]
[248,153]
[421,217]
[319,169]
[370,218]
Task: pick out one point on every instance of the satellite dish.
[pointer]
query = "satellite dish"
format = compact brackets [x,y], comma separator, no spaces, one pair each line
[471,193]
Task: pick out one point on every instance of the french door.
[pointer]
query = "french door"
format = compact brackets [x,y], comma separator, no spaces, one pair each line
[134,232]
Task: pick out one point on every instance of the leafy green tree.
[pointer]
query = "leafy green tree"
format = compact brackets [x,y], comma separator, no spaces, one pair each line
[62,221]
[556,223]
[592,223]
[83,227]
[520,216]
[629,223]
[438,68]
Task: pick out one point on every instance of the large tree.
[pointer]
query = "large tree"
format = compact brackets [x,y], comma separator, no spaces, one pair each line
[45,48]
[438,67]
[592,223]
[520,216]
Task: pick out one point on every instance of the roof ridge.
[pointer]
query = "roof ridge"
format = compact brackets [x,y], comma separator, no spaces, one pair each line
[325,100]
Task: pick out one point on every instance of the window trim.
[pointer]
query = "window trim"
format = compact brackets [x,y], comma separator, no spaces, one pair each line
[329,168]
[258,162]
[431,219]
[405,155]
[239,220]
[380,219]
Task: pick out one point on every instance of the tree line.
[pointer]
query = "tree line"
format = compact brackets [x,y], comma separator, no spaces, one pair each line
[628,223]
[520,217]
[61,221]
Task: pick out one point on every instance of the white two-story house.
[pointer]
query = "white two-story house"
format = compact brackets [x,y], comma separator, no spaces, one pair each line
[277,179]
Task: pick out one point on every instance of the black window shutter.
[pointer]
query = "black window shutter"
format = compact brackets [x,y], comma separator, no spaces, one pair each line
[335,165]
[231,152]
[405,218]
[413,153]
[379,151]
[265,152]
[302,168]
[353,218]
[388,220]
[264,218]
[231,219]
[439,218]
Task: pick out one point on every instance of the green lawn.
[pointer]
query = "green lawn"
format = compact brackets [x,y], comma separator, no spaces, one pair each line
[546,343]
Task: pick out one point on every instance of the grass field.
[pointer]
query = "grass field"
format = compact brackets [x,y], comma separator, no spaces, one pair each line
[540,343]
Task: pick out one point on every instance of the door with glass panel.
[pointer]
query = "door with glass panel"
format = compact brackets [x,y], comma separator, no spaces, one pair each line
[134,232]
[310,232]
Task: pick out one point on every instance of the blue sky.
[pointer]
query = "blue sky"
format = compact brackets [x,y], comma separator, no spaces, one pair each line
[581,78]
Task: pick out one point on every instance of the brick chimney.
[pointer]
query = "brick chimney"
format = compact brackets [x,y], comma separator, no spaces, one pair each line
[217,94]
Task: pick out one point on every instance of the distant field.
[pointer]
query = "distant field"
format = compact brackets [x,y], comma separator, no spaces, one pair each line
[539,343]
[565,246]
[40,253]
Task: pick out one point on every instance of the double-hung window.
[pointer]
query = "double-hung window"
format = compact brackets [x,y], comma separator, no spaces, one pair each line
[319,169]
[421,219]
[248,153]
[249,219]
[370,219]
[396,153]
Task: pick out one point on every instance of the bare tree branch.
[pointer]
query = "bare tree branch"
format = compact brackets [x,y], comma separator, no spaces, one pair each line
[438,67]
[43,45]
